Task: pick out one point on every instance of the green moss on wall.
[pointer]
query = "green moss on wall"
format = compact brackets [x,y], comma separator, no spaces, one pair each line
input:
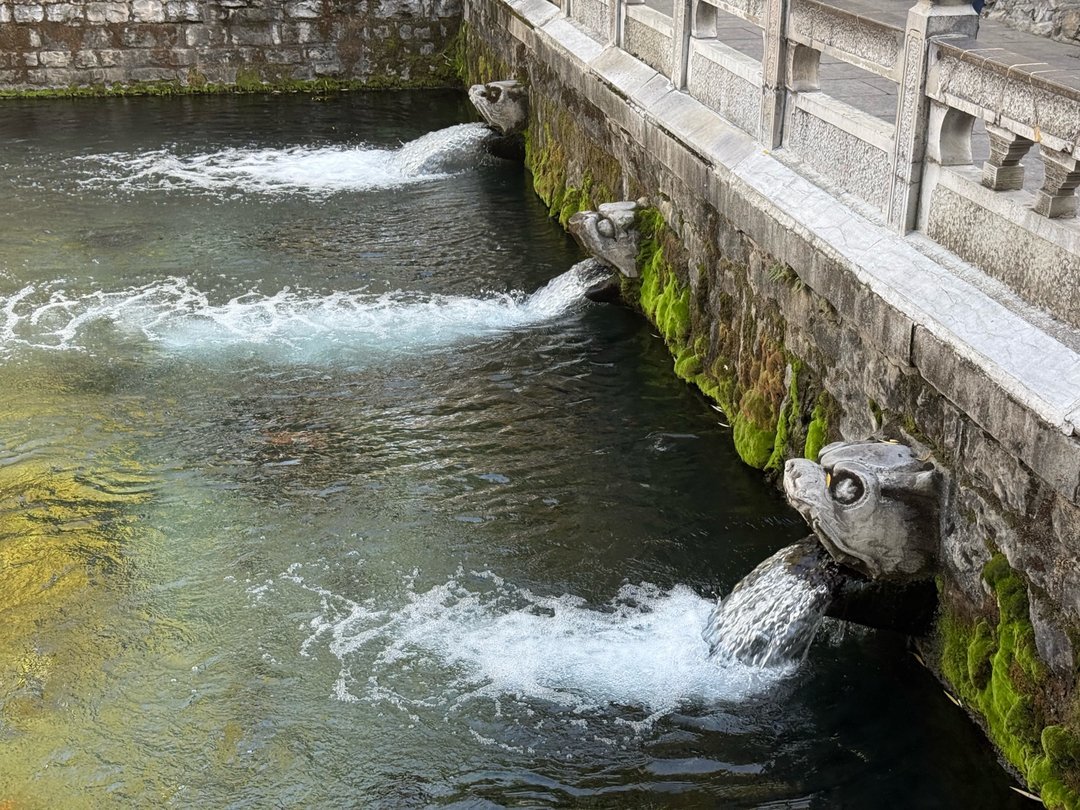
[247,82]
[475,63]
[569,172]
[817,431]
[765,413]
[997,672]
[734,356]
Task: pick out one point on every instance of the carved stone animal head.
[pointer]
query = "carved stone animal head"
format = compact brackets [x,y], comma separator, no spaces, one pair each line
[503,105]
[873,505]
[609,235]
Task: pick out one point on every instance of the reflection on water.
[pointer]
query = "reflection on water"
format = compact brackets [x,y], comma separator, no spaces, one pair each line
[317,491]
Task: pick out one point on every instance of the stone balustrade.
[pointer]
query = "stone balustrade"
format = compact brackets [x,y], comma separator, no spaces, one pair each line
[914,172]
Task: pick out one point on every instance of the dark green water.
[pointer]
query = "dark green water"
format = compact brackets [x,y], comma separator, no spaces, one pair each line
[315,493]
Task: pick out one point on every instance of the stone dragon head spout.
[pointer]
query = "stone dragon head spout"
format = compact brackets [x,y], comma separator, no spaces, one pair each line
[873,505]
[503,105]
[608,233]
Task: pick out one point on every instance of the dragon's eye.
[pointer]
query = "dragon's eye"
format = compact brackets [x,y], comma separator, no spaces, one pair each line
[846,488]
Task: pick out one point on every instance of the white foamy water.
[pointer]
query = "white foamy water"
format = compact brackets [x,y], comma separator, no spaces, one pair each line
[772,615]
[502,643]
[314,171]
[289,325]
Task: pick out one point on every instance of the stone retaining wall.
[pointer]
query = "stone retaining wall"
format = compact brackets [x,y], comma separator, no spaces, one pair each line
[807,322]
[1058,19]
[47,44]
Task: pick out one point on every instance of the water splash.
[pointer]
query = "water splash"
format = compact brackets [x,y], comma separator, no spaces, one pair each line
[772,615]
[288,325]
[312,171]
[642,649]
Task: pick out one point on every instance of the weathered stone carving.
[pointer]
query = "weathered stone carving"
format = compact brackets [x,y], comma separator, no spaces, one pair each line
[608,233]
[873,505]
[503,105]
[1057,197]
[1003,171]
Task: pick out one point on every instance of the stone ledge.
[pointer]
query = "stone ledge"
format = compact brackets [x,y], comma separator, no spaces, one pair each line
[976,350]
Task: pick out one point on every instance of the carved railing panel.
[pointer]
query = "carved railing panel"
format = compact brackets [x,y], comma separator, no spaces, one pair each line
[870,44]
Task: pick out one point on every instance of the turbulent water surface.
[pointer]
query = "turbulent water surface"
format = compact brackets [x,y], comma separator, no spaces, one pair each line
[321,486]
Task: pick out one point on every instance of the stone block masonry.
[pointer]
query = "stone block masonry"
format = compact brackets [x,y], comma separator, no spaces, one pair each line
[245,43]
[810,313]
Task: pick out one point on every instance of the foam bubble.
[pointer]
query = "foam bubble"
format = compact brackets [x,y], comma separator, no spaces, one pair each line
[313,171]
[288,325]
[503,644]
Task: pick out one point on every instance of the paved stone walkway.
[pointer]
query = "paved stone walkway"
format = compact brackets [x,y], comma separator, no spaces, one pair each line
[1058,62]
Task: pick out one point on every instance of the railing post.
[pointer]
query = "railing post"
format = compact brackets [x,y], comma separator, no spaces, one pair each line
[773,68]
[615,22]
[927,20]
[681,18]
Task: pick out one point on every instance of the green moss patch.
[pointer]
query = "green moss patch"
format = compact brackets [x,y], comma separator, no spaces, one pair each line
[246,83]
[765,413]
[996,670]
[569,172]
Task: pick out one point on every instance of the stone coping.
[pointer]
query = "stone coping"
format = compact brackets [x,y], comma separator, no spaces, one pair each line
[1017,382]
[1014,66]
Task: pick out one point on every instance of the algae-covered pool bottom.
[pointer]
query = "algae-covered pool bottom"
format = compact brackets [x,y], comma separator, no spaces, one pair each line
[321,487]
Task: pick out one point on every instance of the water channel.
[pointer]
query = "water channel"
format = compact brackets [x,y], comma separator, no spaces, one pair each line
[320,486]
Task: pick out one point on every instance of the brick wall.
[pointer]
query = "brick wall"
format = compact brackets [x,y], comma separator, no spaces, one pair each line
[61,43]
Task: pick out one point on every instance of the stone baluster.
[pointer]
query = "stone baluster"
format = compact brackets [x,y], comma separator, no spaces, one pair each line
[1057,197]
[773,74]
[927,20]
[1003,171]
[802,67]
[682,19]
[703,24]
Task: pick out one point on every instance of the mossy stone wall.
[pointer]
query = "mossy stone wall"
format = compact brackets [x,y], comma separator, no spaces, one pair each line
[791,375]
[84,47]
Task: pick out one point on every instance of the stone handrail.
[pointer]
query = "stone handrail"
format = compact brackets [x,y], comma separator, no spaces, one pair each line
[1020,108]
[858,39]
[915,172]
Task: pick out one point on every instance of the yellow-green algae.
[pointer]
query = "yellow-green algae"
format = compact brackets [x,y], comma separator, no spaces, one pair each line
[997,672]
[67,523]
[817,432]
